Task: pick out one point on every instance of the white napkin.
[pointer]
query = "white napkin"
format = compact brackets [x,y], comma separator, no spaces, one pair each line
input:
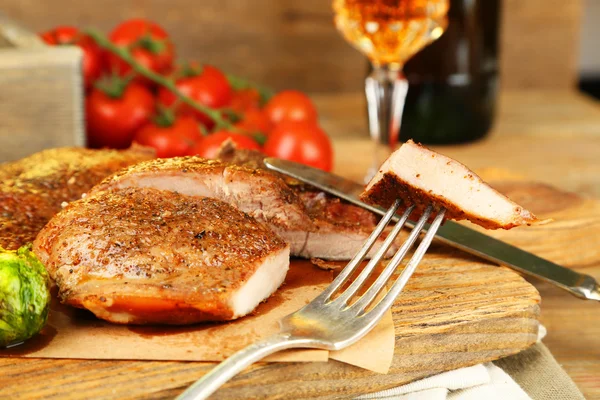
[483,381]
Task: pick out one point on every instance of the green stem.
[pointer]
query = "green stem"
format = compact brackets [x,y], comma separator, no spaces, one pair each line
[154,46]
[125,55]
[113,86]
[165,117]
[240,83]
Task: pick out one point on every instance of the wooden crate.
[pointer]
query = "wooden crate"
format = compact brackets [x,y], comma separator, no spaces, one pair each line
[41,94]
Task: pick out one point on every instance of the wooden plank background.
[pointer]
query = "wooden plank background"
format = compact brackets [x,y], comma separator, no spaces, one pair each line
[293,44]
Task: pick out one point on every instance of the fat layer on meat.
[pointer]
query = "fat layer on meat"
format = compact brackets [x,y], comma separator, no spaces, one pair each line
[32,189]
[142,255]
[419,176]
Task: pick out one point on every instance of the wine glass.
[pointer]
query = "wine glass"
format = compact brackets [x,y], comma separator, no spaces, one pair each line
[388,32]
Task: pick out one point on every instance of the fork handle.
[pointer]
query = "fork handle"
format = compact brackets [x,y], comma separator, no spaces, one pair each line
[227,369]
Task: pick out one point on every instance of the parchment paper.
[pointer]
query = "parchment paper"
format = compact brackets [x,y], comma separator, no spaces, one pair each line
[72,333]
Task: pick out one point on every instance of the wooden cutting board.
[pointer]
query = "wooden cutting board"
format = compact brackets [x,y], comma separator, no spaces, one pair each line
[456,311]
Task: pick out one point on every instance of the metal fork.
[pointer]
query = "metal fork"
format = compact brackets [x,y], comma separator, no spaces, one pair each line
[333,323]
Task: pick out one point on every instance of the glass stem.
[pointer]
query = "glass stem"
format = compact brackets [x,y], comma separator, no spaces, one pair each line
[386,90]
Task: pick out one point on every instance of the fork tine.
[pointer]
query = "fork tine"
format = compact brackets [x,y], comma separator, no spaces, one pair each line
[385,275]
[327,325]
[366,272]
[377,312]
[357,259]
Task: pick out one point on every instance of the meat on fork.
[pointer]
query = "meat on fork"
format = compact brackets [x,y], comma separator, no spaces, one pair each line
[142,255]
[421,177]
[32,189]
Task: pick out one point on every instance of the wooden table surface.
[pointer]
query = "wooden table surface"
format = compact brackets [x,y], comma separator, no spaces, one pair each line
[551,137]
[546,136]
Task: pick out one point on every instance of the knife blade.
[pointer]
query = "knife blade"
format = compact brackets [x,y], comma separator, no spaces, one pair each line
[453,234]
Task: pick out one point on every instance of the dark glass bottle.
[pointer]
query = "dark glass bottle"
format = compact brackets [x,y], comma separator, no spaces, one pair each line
[453,82]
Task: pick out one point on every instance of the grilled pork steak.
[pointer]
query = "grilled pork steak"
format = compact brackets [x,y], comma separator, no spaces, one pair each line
[256,192]
[142,255]
[33,188]
[314,225]
[341,228]
[420,176]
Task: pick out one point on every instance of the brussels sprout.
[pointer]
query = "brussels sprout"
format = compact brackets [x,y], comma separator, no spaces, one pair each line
[24,295]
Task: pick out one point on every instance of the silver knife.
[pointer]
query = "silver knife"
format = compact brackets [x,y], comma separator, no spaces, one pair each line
[453,234]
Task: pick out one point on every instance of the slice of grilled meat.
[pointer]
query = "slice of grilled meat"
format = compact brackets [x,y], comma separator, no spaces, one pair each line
[421,177]
[142,255]
[256,192]
[32,189]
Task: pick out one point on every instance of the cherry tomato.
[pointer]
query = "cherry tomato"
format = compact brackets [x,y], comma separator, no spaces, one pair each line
[302,142]
[209,145]
[92,54]
[209,88]
[61,35]
[149,44]
[290,105]
[170,141]
[254,121]
[188,127]
[112,121]
[245,100]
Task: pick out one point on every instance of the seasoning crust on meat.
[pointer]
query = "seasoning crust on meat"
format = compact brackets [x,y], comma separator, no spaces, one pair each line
[32,189]
[142,255]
